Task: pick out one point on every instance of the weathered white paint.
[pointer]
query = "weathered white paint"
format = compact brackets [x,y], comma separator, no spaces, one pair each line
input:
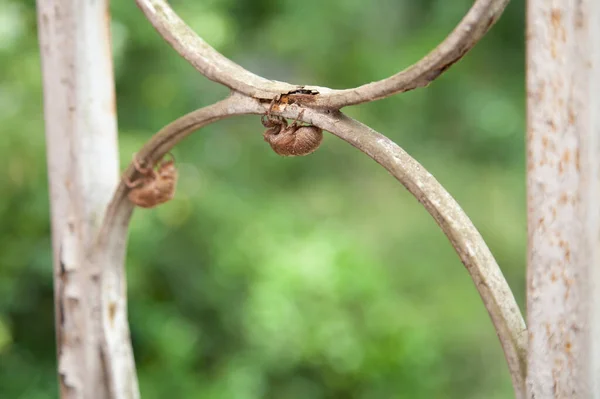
[81,134]
[563,162]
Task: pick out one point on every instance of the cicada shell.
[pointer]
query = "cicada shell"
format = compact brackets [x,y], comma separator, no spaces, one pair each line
[154,187]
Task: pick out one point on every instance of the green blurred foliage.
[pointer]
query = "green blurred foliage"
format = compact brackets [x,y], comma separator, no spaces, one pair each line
[267,277]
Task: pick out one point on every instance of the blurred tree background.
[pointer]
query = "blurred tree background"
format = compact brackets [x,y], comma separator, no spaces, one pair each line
[268,277]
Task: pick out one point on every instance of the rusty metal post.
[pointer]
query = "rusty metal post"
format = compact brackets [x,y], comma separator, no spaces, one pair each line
[563,184]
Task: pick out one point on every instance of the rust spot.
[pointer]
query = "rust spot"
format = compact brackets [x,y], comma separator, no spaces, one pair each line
[540,222]
[561,168]
[558,31]
[112,310]
[579,16]
[568,346]
[555,18]
[566,157]
[553,277]
[565,246]
[577,160]
[571,116]
[530,156]
[554,213]
[568,283]
[563,199]
[110,106]
[107,14]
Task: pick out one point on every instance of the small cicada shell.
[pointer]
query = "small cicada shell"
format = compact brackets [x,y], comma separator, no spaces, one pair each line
[154,187]
[291,140]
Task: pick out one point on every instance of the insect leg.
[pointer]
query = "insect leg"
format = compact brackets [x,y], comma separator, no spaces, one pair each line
[132,184]
[149,172]
[295,123]
[172,160]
